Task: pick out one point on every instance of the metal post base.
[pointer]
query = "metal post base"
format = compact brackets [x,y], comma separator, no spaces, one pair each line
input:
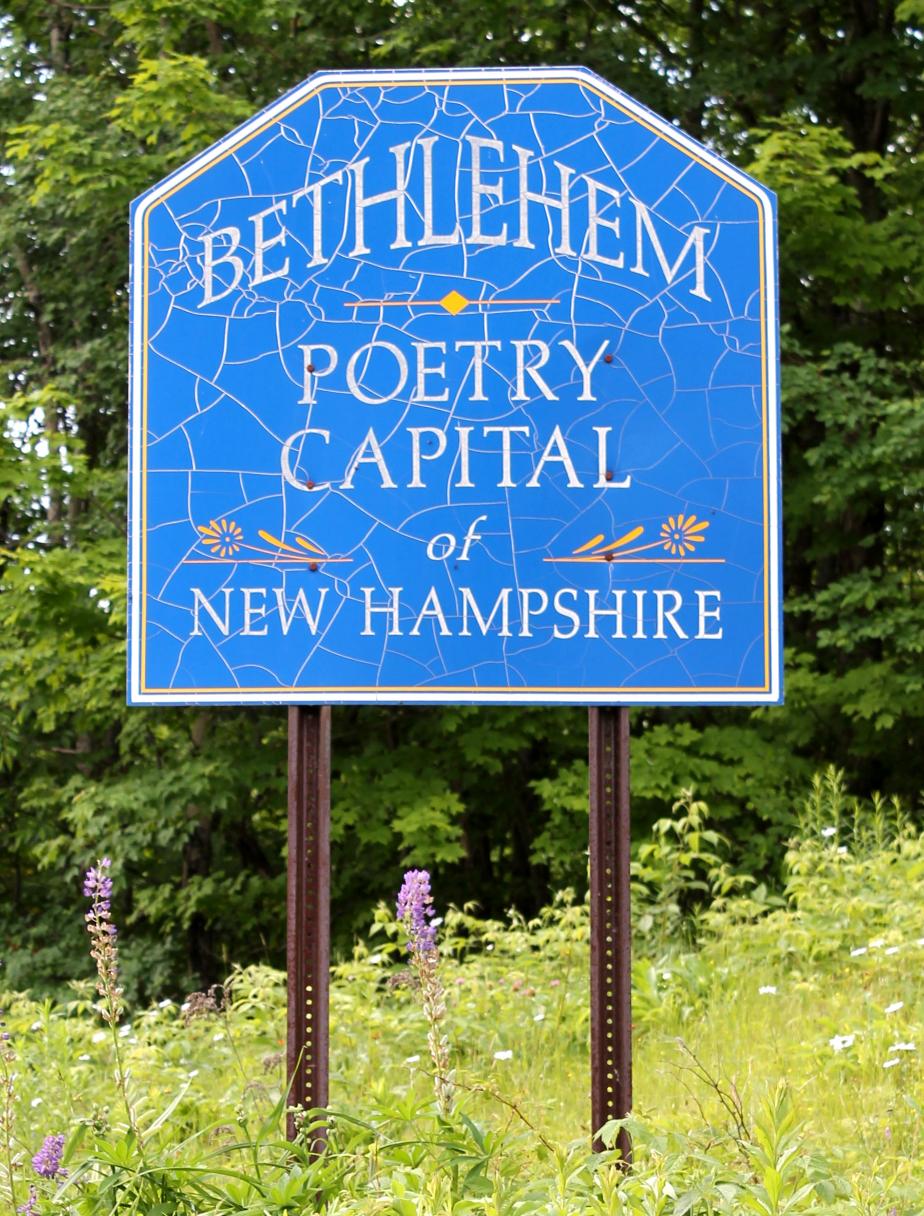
[308,912]
[610,927]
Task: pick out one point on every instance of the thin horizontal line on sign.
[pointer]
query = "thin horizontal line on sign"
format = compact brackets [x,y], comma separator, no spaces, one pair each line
[656,561]
[438,303]
[475,689]
[260,561]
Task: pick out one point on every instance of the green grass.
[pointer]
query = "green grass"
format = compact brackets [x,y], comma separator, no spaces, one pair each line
[742,1104]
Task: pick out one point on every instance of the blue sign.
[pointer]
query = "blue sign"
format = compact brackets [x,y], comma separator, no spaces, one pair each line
[455,386]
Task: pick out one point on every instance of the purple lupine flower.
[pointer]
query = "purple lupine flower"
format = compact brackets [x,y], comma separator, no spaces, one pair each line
[47,1161]
[415,911]
[30,1207]
[97,887]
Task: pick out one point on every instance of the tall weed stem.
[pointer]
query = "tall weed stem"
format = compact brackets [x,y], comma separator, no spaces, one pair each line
[7,1118]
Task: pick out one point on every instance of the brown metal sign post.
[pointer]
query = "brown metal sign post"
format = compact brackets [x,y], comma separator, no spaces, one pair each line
[308,912]
[610,927]
[308,938]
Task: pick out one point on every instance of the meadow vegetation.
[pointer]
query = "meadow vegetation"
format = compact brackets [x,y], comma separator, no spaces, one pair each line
[777,1044]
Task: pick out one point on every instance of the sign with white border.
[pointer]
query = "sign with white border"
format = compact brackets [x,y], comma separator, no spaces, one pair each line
[455,386]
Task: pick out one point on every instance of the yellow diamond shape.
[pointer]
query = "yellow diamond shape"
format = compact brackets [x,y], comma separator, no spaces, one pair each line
[454,302]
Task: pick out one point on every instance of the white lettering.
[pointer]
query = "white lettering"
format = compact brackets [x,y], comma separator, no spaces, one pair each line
[392,610]
[594,222]
[533,370]
[421,392]
[501,604]
[432,609]
[643,223]
[369,445]
[603,482]
[429,236]
[478,353]
[505,432]
[665,614]
[300,604]
[314,193]
[527,595]
[447,546]
[417,455]
[562,204]
[570,613]
[287,472]
[481,190]
[254,611]
[311,374]
[398,196]
[261,244]
[639,614]
[228,258]
[353,384]
[712,614]
[584,368]
[200,601]
[470,537]
[464,482]
[556,449]
[594,612]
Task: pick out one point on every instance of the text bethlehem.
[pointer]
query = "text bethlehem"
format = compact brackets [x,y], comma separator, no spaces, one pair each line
[325,216]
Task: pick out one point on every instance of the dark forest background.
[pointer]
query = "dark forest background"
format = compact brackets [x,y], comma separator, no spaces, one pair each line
[822,101]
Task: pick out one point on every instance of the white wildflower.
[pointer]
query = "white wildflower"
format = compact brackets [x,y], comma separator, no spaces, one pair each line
[194,1072]
[842,850]
[165,1003]
[375,959]
[767,990]
[35,1102]
[83,1059]
[412,1059]
[903,1047]
[216,1038]
[99,1036]
[895,1006]
[539,1015]
[125,1031]
[841,1042]
[503,1055]
[893,949]
[36,1026]
[877,943]
[891,1063]
[828,832]
[857,951]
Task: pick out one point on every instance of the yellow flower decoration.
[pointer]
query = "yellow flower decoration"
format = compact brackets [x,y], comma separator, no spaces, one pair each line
[222,537]
[681,533]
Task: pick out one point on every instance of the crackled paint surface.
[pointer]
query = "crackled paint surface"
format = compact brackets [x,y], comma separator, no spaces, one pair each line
[279,554]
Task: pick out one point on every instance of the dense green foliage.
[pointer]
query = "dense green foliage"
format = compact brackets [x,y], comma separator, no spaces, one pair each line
[777,1066]
[822,100]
